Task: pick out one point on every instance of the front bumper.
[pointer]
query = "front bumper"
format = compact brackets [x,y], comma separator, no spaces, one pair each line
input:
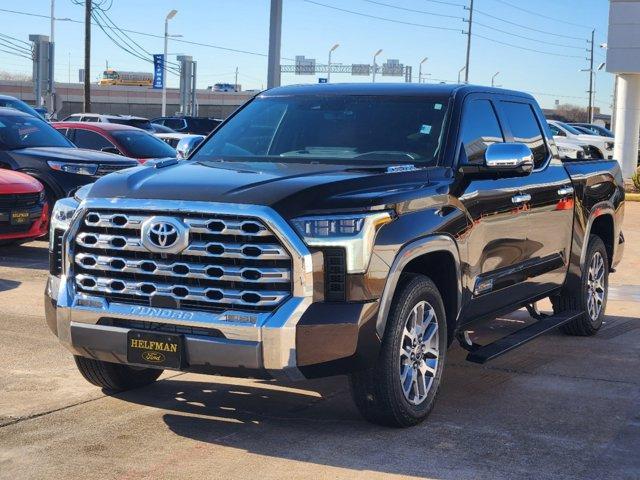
[299,340]
[38,218]
[304,337]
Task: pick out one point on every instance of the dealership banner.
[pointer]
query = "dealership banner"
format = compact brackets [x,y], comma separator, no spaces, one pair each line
[158,71]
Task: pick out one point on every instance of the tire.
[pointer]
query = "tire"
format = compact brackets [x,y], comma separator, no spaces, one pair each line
[379,392]
[114,377]
[578,296]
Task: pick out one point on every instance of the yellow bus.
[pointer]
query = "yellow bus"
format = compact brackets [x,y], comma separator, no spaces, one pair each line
[115,77]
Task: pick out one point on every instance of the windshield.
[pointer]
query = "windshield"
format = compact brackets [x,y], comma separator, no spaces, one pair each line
[143,145]
[570,129]
[133,122]
[24,132]
[359,128]
[110,74]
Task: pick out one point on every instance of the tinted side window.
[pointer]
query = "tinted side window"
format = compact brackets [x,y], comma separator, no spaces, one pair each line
[90,140]
[175,123]
[480,128]
[525,129]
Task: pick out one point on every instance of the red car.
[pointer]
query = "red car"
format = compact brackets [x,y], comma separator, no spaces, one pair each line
[24,212]
[124,140]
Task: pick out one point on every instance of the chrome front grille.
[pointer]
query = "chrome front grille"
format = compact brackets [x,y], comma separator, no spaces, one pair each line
[231,262]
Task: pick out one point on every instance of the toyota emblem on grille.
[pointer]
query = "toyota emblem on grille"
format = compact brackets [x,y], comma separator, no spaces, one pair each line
[164,235]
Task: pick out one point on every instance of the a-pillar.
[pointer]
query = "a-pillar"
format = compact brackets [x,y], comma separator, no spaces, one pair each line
[627,122]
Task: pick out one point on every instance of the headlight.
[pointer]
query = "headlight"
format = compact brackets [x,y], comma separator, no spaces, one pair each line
[355,233]
[77,168]
[62,214]
[567,152]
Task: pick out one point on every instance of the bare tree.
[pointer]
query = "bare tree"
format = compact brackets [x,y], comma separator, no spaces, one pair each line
[570,113]
[23,77]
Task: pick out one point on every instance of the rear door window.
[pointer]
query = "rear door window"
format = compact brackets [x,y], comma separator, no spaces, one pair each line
[91,140]
[480,128]
[525,129]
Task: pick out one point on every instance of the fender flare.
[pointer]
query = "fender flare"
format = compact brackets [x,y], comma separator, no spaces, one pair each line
[412,250]
[596,212]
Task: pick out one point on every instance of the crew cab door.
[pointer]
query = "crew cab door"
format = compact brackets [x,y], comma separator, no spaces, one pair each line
[496,236]
[549,210]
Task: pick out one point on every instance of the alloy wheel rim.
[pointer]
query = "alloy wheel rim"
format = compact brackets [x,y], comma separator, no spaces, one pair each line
[419,353]
[595,286]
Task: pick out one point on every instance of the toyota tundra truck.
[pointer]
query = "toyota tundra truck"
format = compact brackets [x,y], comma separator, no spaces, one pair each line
[337,229]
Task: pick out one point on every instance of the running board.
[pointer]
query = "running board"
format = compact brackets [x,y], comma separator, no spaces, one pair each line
[482,354]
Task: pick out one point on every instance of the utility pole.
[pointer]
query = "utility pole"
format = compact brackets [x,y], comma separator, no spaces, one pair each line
[52,81]
[87,56]
[466,69]
[275,36]
[590,110]
[235,85]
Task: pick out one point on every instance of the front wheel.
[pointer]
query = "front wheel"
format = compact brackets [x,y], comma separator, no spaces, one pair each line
[115,377]
[401,388]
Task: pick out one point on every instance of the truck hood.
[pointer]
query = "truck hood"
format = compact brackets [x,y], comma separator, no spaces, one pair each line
[71,154]
[289,188]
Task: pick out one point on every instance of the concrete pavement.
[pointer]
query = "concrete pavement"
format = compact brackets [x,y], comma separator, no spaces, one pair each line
[560,407]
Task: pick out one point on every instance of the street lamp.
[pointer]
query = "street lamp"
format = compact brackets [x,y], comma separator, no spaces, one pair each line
[493,79]
[460,73]
[329,63]
[170,15]
[420,69]
[373,79]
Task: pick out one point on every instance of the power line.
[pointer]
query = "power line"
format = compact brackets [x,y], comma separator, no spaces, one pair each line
[495,29]
[527,49]
[16,41]
[7,44]
[13,52]
[527,27]
[382,18]
[126,39]
[446,3]
[151,35]
[541,15]
[94,15]
[414,11]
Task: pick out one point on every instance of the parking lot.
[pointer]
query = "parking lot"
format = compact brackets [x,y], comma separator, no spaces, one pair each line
[560,407]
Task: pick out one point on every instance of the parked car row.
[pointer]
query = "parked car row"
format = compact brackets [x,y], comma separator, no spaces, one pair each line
[594,146]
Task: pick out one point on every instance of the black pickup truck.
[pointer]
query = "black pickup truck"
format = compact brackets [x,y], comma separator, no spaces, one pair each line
[337,229]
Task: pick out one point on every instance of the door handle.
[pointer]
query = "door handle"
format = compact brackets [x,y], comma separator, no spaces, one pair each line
[521,198]
[564,191]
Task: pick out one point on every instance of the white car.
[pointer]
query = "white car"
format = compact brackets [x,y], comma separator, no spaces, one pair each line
[601,147]
[171,139]
[573,150]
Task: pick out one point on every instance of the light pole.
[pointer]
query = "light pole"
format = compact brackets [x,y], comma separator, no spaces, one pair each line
[420,69]
[329,63]
[373,78]
[169,16]
[493,79]
[460,72]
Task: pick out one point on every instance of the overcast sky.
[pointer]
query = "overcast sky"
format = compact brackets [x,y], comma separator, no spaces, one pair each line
[556,29]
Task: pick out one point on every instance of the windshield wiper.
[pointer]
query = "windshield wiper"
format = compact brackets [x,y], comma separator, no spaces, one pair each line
[385,153]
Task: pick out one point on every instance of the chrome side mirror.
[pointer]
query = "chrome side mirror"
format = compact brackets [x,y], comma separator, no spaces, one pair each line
[515,158]
[186,145]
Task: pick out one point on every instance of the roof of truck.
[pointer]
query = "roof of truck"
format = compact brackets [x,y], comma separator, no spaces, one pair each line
[413,89]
